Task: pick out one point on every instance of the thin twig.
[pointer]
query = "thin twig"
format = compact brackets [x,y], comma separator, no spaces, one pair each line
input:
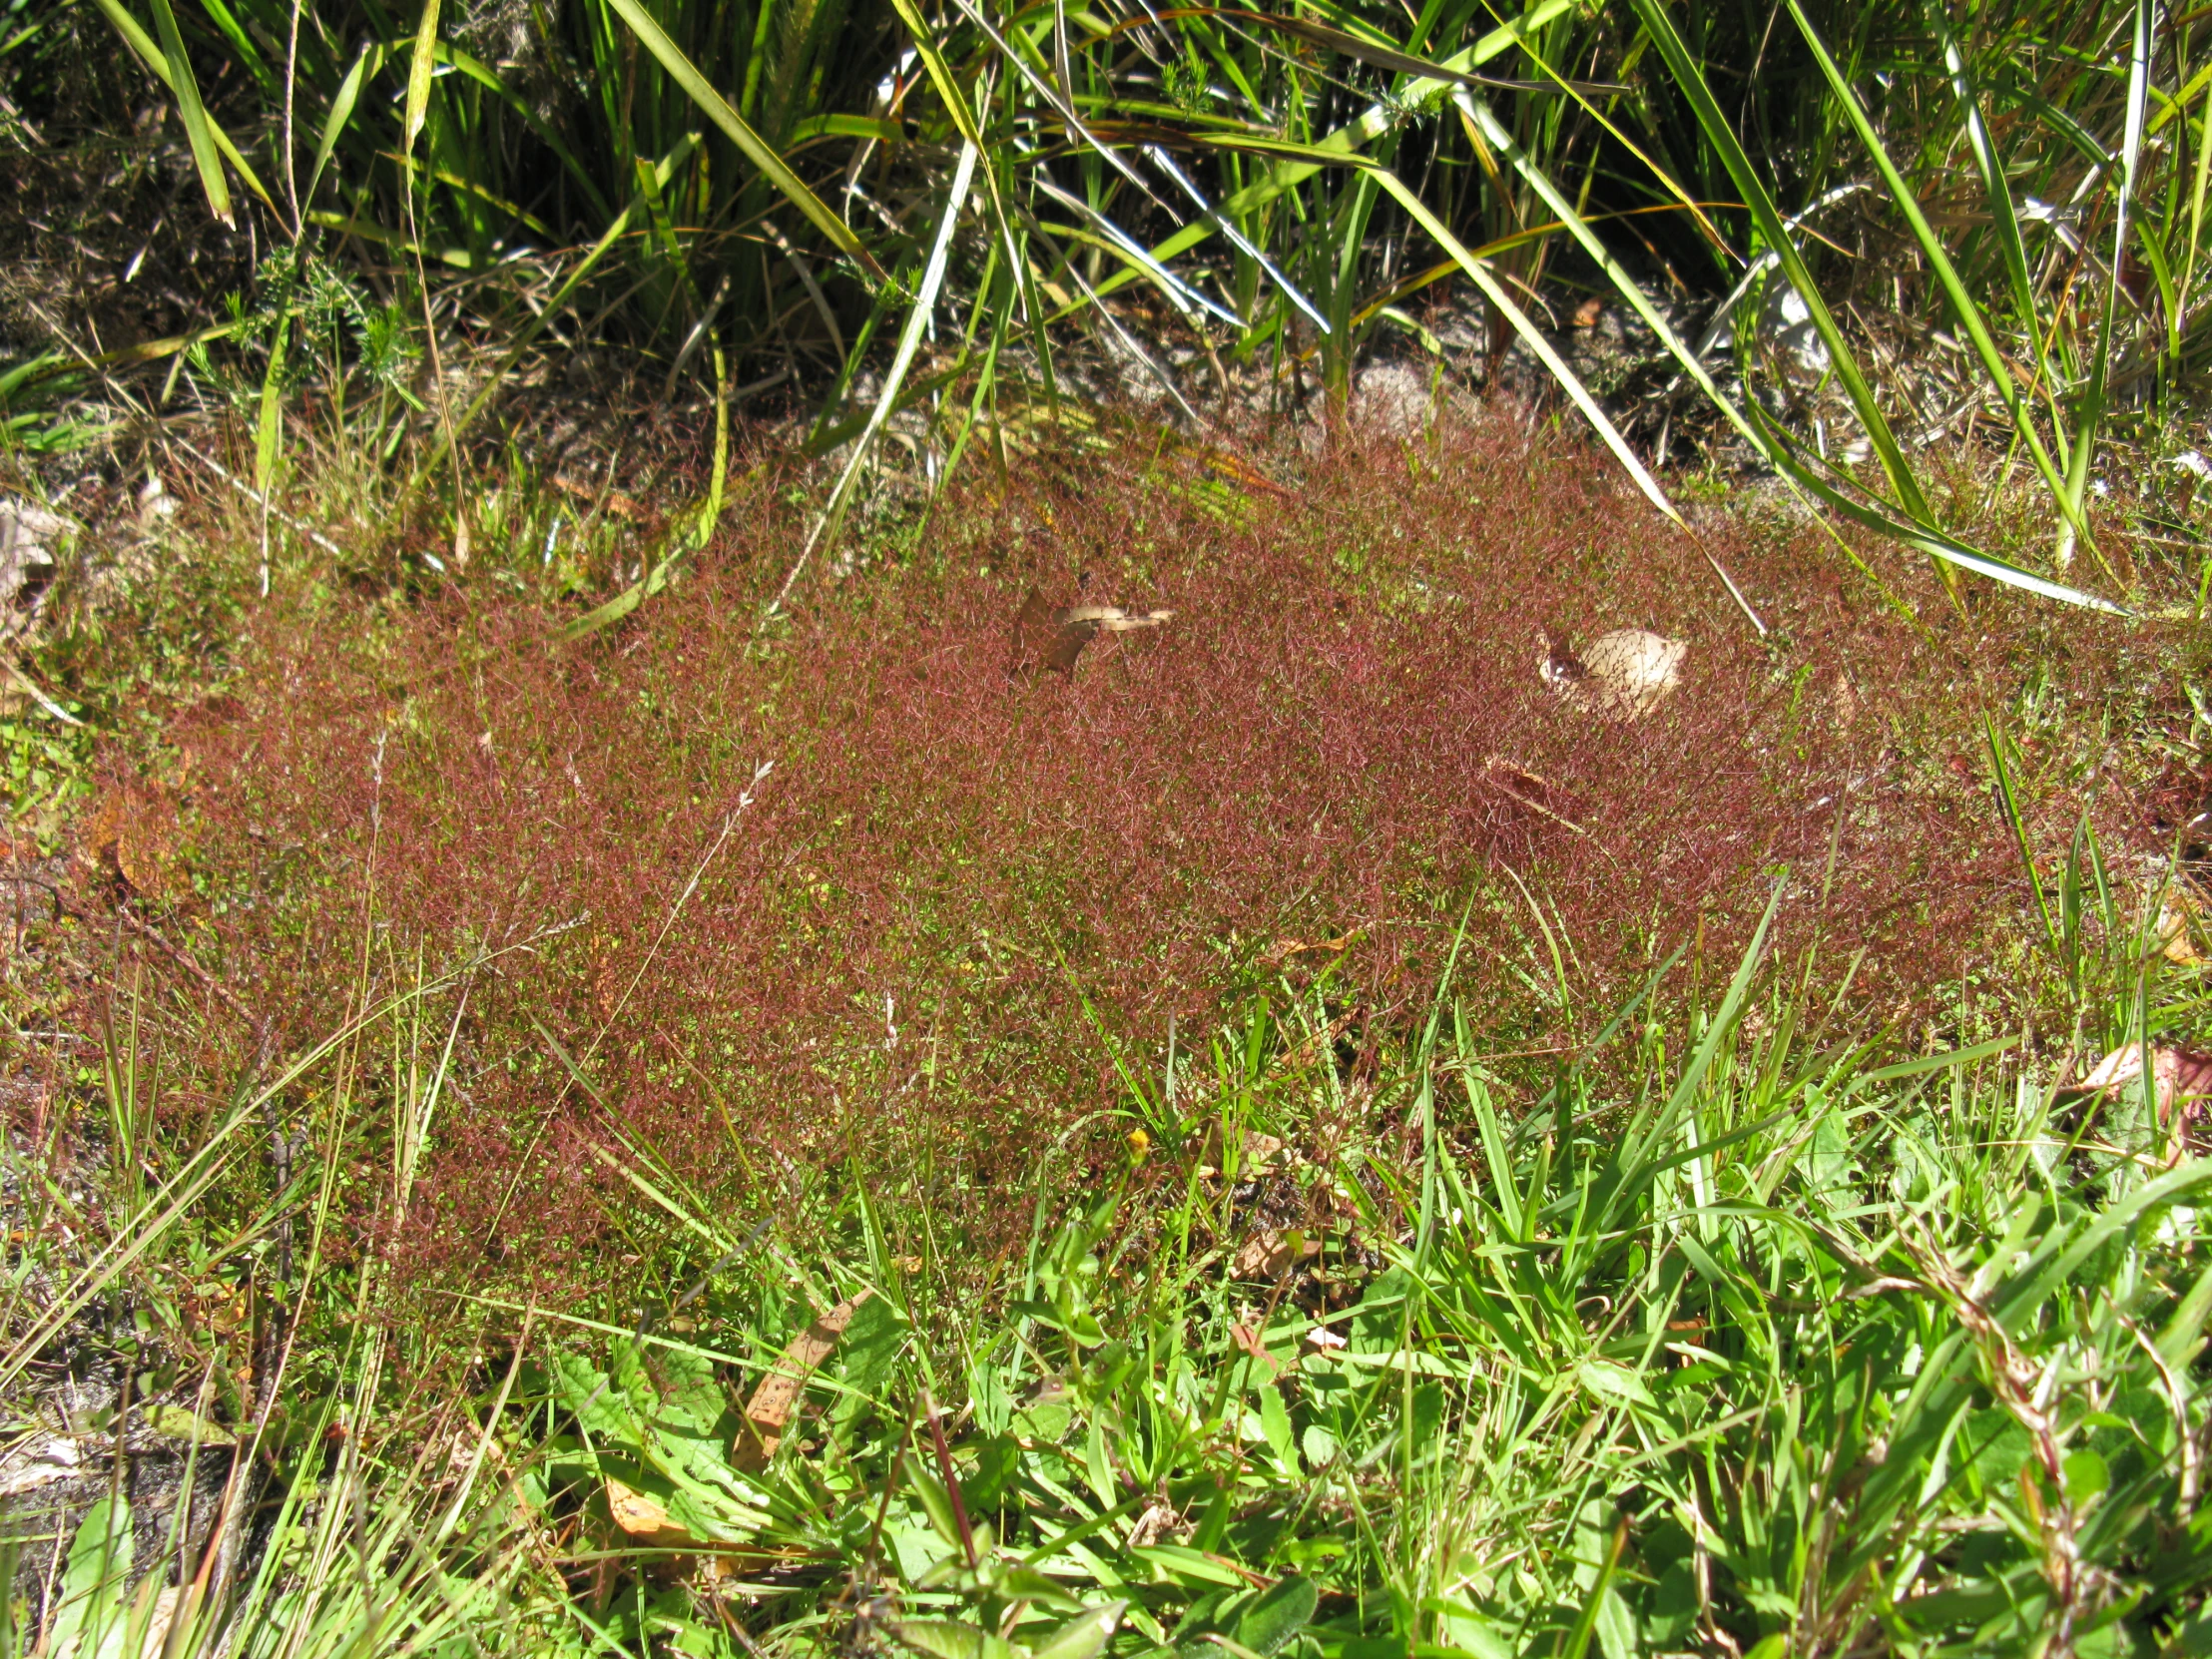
[256,496]
[15,672]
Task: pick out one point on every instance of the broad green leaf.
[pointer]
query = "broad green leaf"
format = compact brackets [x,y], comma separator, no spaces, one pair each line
[1270,1623]
[90,1619]
[1083,1637]
[951,1639]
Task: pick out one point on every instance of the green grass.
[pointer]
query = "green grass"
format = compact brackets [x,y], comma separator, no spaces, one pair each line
[1778,1344]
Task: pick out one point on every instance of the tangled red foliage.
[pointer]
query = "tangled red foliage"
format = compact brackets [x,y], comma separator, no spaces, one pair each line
[958,874]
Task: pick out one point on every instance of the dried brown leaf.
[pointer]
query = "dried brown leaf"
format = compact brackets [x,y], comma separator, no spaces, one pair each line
[1053,639]
[133,832]
[2181,1078]
[768,1411]
[643,1519]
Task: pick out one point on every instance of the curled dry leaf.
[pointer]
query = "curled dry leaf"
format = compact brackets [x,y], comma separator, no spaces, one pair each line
[28,535]
[643,1519]
[1159,1524]
[1254,1152]
[1623,675]
[2174,930]
[39,1459]
[159,1618]
[1273,1252]
[1247,1340]
[1053,638]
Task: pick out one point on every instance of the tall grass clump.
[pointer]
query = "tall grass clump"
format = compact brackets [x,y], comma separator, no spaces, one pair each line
[1852,234]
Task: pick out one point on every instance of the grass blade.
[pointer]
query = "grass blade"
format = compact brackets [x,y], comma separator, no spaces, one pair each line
[198,130]
[1719,132]
[1964,309]
[157,59]
[756,150]
[909,341]
[1533,338]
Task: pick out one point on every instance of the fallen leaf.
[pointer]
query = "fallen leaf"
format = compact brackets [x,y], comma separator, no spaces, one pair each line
[161,1617]
[1623,675]
[1284,949]
[644,1520]
[2176,941]
[39,1461]
[1245,1338]
[1054,638]
[133,832]
[1255,1151]
[154,504]
[179,1422]
[768,1411]
[2180,1077]
[1158,1522]
[1273,1252]
[28,535]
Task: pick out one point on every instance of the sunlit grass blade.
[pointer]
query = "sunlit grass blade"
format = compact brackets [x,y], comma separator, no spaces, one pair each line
[157,59]
[1964,309]
[1719,132]
[1542,349]
[2089,412]
[756,150]
[198,130]
[421,66]
[909,341]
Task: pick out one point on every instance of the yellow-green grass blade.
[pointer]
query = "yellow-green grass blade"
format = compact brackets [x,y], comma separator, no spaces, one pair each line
[1719,132]
[420,72]
[909,342]
[1532,336]
[198,130]
[2011,247]
[2089,412]
[340,116]
[1931,540]
[1300,161]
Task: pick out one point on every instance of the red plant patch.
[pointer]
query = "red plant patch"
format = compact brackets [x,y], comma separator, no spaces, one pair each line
[967,875]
